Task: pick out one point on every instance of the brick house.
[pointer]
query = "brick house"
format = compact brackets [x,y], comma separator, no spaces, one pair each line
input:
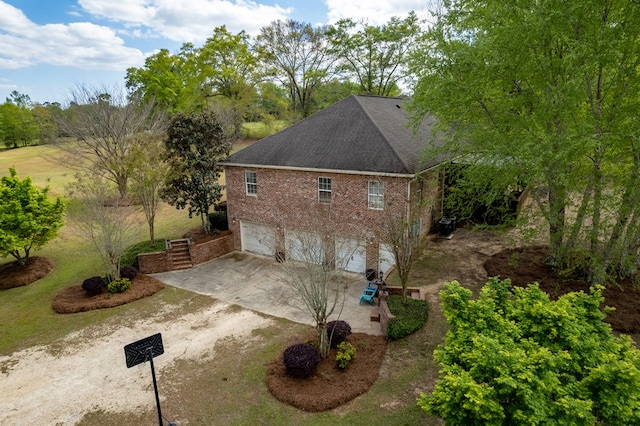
[335,176]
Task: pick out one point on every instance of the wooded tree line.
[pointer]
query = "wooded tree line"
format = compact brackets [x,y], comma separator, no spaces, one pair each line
[288,71]
[545,95]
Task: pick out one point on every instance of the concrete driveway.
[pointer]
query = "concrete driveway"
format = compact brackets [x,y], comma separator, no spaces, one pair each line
[255,282]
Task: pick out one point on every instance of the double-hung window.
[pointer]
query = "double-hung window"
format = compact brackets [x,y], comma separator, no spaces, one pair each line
[324,190]
[376,195]
[250,183]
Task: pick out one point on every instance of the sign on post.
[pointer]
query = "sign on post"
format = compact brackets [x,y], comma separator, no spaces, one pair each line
[142,351]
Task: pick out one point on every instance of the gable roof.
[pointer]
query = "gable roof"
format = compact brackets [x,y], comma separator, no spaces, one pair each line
[357,134]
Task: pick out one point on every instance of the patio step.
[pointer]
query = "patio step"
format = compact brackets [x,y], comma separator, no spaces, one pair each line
[180,257]
[375,314]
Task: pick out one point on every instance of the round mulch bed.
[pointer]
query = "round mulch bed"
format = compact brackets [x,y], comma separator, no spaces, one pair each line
[13,274]
[330,387]
[74,299]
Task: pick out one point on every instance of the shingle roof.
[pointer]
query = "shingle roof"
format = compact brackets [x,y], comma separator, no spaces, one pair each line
[359,133]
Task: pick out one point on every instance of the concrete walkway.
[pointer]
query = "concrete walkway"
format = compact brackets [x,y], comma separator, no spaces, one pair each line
[256,282]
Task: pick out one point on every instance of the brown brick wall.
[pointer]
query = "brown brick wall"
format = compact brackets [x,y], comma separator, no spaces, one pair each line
[151,263]
[204,252]
[289,199]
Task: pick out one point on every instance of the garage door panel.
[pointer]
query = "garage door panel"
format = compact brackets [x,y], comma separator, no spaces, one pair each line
[304,246]
[258,238]
[351,254]
[386,259]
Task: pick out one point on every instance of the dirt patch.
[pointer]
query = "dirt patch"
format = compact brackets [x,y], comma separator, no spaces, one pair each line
[13,274]
[74,299]
[526,265]
[330,387]
[87,372]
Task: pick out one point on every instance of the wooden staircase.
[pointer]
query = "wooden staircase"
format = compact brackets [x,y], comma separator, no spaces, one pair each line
[179,255]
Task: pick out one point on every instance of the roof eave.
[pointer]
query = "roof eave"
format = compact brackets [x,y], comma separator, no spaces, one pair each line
[310,169]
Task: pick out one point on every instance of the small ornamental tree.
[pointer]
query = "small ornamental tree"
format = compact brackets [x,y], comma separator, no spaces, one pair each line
[28,217]
[96,213]
[514,357]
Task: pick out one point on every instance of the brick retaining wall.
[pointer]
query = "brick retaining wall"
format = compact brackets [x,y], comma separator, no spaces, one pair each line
[151,263]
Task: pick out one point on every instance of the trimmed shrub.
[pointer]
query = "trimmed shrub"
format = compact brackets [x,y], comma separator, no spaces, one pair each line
[119,286]
[337,331]
[346,353]
[129,272]
[301,360]
[218,220]
[94,285]
[408,319]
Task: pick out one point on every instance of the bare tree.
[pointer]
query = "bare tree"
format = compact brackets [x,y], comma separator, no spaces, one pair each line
[148,176]
[107,125]
[316,277]
[95,213]
[403,232]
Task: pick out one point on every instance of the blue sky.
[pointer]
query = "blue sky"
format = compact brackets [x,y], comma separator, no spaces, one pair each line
[49,47]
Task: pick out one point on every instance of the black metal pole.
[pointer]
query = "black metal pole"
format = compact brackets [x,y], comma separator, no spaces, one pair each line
[155,386]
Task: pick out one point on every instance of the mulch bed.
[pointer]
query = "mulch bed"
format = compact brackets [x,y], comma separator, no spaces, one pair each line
[526,265]
[13,274]
[330,387]
[74,299]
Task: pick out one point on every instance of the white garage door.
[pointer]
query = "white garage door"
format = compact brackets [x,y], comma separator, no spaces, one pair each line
[351,254]
[304,246]
[386,259]
[258,238]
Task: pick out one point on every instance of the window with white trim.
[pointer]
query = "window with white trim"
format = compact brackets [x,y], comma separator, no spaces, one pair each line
[324,190]
[376,195]
[250,183]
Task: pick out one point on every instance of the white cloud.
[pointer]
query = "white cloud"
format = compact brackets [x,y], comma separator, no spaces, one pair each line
[186,20]
[81,44]
[375,12]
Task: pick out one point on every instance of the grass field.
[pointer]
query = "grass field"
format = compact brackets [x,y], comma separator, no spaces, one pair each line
[196,390]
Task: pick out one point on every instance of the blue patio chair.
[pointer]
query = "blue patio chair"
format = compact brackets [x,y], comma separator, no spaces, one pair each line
[369,292]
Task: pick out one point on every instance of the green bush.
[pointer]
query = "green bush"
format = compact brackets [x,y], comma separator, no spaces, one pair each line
[93,285]
[346,353]
[514,357]
[337,332]
[119,286]
[218,220]
[301,360]
[408,319]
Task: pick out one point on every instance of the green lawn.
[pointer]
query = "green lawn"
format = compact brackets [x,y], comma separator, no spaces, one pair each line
[197,391]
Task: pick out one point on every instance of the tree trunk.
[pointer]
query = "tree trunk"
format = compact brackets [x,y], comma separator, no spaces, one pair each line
[152,231]
[557,201]
[323,339]
[115,267]
[206,227]
[121,181]
[581,215]
[22,260]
